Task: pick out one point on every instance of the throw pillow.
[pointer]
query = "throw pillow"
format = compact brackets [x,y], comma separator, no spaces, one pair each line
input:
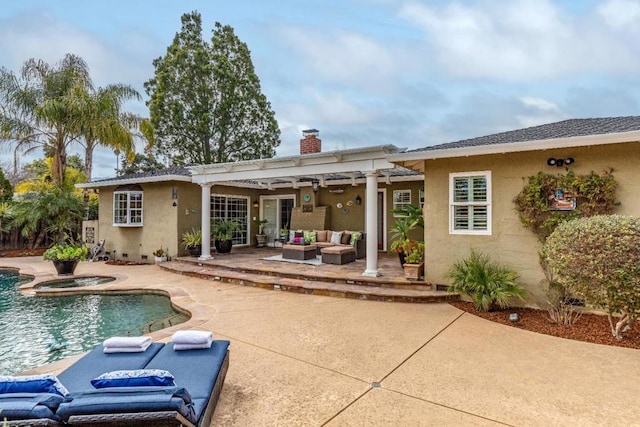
[46,383]
[335,237]
[134,378]
[321,235]
[346,237]
[310,236]
[355,237]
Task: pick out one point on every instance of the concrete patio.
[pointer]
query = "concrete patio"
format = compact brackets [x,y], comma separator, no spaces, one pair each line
[312,360]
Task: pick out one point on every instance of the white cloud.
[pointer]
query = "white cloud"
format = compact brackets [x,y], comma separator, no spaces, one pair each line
[519,40]
[345,57]
[621,14]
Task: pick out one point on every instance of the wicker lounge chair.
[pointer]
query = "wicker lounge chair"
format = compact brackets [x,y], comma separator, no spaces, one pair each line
[39,409]
[200,372]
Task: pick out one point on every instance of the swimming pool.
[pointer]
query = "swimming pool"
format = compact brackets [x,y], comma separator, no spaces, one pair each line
[35,330]
[78,282]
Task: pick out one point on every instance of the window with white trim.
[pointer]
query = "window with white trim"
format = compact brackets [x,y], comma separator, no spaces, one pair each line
[401,198]
[127,208]
[234,208]
[470,203]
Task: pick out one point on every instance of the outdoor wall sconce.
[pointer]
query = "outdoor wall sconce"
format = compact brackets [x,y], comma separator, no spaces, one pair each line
[358,200]
[560,162]
[315,184]
[174,193]
[256,204]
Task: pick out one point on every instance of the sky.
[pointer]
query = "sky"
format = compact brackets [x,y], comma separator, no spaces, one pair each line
[412,73]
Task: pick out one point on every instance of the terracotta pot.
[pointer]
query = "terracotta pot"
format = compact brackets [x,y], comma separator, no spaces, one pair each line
[413,271]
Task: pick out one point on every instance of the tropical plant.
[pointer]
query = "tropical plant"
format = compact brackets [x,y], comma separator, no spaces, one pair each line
[400,233]
[413,215]
[205,101]
[40,109]
[485,282]
[598,259]
[192,238]
[66,252]
[104,123]
[260,223]
[223,229]
[47,211]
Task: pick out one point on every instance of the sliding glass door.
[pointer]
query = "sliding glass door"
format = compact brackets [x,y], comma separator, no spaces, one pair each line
[277,211]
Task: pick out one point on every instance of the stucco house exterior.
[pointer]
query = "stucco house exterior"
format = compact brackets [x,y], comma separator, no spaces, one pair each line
[353,189]
[470,186]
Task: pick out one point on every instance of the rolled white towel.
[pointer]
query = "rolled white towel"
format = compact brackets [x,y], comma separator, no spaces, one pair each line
[192,337]
[127,342]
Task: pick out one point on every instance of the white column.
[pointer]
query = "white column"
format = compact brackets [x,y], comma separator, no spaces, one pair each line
[206,222]
[371,219]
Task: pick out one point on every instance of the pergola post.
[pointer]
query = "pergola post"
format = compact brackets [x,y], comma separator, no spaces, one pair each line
[206,222]
[371,220]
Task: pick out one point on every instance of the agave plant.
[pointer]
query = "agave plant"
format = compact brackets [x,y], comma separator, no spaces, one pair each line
[485,282]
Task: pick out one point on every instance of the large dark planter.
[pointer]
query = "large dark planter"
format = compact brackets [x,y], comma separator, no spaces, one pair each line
[195,250]
[65,268]
[401,255]
[223,246]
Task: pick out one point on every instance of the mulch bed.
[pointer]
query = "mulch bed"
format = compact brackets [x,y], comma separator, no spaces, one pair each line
[15,253]
[592,328]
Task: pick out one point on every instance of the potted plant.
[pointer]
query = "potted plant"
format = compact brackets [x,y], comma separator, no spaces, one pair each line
[222,231]
[192,241]
[160,255]
[414,259]
[261,238]
[411,219]
[65,256]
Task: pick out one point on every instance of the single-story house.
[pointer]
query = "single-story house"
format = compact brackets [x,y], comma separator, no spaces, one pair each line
[354,189]
[470,186]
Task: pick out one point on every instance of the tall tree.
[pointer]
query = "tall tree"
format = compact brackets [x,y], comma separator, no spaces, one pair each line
[205,101]
[104,123]
[39,109]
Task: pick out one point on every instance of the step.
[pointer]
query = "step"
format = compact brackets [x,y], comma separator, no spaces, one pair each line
[243,267]
[313,287]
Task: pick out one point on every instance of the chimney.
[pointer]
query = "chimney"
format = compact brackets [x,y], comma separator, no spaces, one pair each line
[310,143]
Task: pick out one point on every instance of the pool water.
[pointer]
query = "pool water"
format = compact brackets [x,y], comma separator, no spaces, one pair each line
[35,330]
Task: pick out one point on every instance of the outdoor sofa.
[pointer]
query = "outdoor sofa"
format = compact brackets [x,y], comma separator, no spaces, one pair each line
[328,238]
[199,375]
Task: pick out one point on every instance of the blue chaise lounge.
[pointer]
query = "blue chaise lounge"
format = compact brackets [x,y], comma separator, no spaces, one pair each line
[199,375]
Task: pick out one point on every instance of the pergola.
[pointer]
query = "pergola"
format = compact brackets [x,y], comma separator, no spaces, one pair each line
[324,168]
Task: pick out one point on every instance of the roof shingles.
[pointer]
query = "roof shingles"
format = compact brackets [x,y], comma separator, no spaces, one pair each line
[564,129]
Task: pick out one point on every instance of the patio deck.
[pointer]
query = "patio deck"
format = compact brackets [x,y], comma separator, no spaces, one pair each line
[249,267]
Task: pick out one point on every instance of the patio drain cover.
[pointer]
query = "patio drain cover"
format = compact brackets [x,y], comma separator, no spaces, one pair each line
[376,384]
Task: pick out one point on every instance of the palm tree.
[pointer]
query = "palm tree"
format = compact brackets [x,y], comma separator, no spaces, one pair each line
[40,108]
[104,123]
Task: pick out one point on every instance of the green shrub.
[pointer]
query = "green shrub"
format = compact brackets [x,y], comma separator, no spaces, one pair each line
[485,282]
[598,259]
[66,252]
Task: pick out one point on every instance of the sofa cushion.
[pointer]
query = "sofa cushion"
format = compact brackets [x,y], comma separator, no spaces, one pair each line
[26,406]
[346,237]
[355,237]
[310,236]
[321,235]
[336,236]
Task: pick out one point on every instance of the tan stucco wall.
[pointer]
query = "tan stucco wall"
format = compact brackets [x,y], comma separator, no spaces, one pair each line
[159,228]
[510,243]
